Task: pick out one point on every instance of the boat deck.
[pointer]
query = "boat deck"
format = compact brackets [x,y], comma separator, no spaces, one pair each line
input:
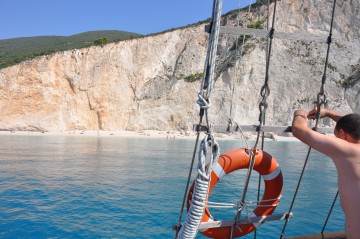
[329,235]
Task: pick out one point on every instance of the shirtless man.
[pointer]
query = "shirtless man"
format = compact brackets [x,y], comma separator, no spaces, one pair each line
[344,150]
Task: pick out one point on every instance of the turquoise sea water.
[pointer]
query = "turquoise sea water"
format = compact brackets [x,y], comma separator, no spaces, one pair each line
[90,187]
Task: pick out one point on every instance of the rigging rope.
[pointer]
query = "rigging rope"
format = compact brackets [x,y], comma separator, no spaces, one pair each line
[266,81]
[265,92]
[319,103]
[240,54]
[190,227]
[328,216]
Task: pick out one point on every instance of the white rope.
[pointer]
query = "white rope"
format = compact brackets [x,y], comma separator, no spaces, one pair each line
[209,147]
[203,103]
[211,56]
[239,204]
[209,150]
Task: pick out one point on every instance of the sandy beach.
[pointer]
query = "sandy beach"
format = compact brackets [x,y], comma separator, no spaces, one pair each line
[171,135]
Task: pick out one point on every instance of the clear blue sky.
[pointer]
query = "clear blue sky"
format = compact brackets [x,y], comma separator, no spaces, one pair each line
[24,18]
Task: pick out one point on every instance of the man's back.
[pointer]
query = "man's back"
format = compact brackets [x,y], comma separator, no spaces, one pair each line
[348,168]
[344,150]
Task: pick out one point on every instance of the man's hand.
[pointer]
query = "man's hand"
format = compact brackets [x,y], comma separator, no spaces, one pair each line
[312,113]
[324,113]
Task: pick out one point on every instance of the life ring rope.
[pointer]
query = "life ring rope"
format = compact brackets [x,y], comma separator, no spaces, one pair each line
[235,205]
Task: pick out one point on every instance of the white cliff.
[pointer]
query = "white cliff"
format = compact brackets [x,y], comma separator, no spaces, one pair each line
[147,83]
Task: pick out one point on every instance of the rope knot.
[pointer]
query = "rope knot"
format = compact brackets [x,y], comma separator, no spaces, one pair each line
[240,205]
[263,106]
[265,91]
[203,103]
[319,101]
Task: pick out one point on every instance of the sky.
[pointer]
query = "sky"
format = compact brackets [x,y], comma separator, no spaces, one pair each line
[26,18]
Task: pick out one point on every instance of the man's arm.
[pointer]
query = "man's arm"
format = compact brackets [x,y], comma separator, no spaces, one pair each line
[300,127]
[324,113]
[331,146]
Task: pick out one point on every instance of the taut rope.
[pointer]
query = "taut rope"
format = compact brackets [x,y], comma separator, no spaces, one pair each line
[319,103]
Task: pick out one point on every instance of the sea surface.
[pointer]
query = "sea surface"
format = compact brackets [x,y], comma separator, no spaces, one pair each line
[104,187]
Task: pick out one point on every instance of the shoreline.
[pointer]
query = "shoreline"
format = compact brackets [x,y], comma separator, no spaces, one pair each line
[157,134]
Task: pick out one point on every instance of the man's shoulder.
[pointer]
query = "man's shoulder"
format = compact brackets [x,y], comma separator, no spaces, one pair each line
[348,150]
[335,147]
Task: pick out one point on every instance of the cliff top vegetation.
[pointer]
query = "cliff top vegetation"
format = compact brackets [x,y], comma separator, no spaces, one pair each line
[16,50]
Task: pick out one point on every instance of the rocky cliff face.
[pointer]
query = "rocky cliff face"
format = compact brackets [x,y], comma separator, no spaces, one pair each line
[152,82]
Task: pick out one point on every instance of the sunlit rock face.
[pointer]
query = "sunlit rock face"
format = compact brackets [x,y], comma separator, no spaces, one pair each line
[153,82]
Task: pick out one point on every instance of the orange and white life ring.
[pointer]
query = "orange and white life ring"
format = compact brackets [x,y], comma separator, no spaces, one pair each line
[236,159]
